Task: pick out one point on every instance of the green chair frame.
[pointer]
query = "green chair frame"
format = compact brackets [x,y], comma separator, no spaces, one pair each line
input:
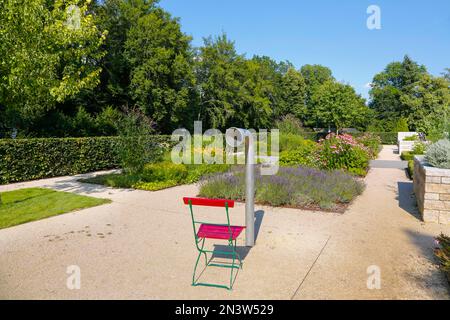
[200,242]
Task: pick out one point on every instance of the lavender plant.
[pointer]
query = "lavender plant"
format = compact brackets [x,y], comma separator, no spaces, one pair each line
[292,186]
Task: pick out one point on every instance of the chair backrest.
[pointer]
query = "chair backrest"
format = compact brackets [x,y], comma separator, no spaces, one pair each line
[209,202]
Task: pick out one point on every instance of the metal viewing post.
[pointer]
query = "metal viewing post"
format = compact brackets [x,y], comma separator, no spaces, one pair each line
[235,137]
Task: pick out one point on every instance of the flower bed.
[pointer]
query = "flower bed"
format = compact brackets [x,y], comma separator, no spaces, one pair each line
[157,176]
[335,152]
[297,187]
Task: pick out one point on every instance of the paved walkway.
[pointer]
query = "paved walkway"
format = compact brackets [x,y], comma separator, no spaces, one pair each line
[141,246]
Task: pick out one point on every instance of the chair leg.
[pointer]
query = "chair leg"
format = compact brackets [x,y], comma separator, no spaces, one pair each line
[237,254]
[200,251]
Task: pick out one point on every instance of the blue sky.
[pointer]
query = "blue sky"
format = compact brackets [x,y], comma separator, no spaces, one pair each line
[328,32]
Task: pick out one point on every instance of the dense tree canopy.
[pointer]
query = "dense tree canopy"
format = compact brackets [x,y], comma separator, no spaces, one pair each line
[48,55]
[71,68]
[337,105]
[405,90]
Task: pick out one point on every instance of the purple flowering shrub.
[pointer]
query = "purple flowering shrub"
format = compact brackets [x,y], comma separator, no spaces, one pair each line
[300,187]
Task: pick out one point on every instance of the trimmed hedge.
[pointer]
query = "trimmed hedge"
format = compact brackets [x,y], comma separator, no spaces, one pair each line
[29,159]
[386,137]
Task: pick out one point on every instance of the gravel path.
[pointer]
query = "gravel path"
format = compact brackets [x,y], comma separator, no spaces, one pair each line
[141,246]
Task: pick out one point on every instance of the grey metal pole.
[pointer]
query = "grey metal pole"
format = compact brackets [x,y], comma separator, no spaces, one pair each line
[249,192]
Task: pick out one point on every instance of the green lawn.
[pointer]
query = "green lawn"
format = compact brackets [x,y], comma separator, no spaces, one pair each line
[30,204]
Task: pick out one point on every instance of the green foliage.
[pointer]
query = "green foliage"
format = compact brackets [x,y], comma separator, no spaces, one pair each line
[337,105]
[401,125]
[372,142]
[406,90]
[387,137]
[301,156]
[411,168]
[289,124]
[438,154]
[388,125]
[29,159]
[443,254]
[164,171]
[134,148]
[234,91]
[292,186]
[157,176]
[58,80]
[30,204]
[419,148]
[297,151]
[291,142]
[407,156]
[411,138]
[343,152]
[219,80]
[334,152]
[161,74]
[197,171]
[293,94]
[45,59]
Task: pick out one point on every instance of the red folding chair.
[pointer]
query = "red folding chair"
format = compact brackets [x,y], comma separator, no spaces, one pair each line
[215,231]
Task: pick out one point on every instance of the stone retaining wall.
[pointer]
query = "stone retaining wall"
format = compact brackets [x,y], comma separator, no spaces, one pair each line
[432,189]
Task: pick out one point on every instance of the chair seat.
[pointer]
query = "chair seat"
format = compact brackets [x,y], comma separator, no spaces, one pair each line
[214,231]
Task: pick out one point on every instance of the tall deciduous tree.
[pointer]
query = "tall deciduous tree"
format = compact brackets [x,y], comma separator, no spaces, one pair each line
[219,78]
[406,90]
[337,105]
[162,79]
[48,53]
[117,16]
[314,76]
[293,94]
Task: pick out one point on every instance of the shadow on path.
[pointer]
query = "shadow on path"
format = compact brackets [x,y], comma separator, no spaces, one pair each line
[432,280]
[76,186]
[243,251]
[406,198]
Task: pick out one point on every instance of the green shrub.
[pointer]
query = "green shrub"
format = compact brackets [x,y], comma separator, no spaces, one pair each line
[411,168]
[134,147]
[197,171]
[401,125]
[29,159]
[372,142]
[304,154]
[411,138]
[164,171]
[407,156]
[438,154]
[155,185]
[290,142]
[385,137]
[419,148]
[343,152]
[156,176]
[290,124]
[443,254]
